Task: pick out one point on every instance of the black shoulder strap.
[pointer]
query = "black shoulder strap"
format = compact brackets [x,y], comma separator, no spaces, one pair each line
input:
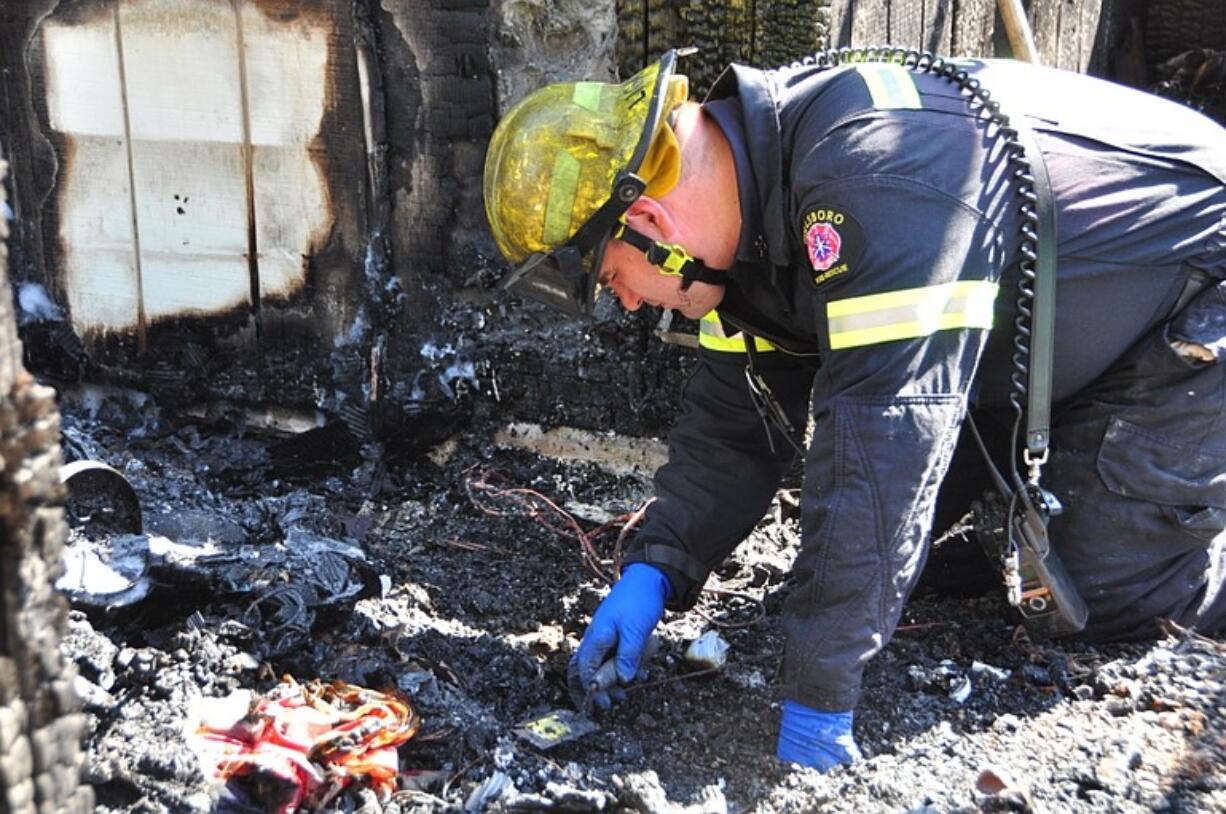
[1043,325]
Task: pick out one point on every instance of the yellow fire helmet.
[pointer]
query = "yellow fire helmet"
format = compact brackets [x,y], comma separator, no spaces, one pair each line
[564,165]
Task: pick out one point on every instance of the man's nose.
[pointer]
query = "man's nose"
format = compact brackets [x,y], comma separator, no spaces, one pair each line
[629,300]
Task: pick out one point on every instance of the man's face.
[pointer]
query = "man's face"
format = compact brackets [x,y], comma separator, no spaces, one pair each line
[637,282]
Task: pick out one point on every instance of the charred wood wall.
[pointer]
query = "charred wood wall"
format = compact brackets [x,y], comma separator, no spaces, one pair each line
[1174,47]
[191,193]
[464,349]
[276,201]
[1071,34]
[280,201]
[40,750]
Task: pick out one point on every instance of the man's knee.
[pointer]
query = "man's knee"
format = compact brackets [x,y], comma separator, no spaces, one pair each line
[1140,466]
[1132,606]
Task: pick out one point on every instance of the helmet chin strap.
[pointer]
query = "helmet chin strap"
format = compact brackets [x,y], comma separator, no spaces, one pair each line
[671,259]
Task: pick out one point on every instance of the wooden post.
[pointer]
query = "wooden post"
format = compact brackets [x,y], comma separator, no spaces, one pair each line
[1017,28]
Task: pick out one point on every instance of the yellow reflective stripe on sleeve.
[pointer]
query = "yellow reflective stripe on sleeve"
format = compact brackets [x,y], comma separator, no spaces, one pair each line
[891,87]
[563,186]
[712,337]
[911,313]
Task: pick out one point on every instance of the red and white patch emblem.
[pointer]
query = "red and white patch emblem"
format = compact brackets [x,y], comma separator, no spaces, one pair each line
[823,242]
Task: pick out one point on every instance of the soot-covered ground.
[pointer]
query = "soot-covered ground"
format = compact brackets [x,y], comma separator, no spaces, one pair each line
[473,594]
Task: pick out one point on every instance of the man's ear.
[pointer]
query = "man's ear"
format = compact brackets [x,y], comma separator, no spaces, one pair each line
[652,218]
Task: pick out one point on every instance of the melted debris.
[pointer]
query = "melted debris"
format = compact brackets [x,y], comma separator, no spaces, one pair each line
[300,745]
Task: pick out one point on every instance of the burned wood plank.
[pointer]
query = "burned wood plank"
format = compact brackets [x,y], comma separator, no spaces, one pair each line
[946,27]
[432,109]
[1079,36]
[32,155]
[763,33]
[722,33]
[840,16]
[937,35]
[664,29]
[907,24]
[630,51]
[1066,50]
[786,31]
[972,26]
[1047,23]
[870,24]
[38,703]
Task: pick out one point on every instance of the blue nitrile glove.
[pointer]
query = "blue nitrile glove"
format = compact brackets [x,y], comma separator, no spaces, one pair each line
[819,740]
[622,624]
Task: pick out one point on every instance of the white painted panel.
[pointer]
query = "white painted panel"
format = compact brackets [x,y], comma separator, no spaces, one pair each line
[181,60]
[198,283]
[191,203]
[185,109]
[83,91]
[286,79]
[185,103]
[292,211]
[85,102]
[96,234]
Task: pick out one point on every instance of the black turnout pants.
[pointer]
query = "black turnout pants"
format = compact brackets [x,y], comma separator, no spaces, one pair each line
[1138,460]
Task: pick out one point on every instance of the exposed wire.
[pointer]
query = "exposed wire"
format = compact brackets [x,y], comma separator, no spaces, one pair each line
[499,501]
[517,501]
[635,519]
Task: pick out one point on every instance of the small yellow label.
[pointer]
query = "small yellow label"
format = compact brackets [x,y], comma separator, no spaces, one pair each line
[587,95]
[549,727]
[841,268]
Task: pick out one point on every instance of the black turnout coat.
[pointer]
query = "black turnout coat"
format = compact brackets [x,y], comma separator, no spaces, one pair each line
[879,242]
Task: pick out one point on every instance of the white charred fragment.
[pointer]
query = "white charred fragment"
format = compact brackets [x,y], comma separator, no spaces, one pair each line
[620,455]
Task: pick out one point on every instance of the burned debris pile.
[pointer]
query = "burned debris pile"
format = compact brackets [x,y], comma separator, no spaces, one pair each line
[447,592]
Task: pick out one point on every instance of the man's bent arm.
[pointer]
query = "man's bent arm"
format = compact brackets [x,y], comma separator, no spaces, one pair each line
[721,473]
[905,325]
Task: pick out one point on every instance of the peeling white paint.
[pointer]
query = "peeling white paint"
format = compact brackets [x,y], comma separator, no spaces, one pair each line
[460,371]
[36,305]
[154,213]
[286,78]
[435,352]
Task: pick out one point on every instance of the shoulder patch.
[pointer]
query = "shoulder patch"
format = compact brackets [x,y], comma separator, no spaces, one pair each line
[834,242]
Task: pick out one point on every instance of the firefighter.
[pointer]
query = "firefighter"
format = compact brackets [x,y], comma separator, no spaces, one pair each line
[854,242]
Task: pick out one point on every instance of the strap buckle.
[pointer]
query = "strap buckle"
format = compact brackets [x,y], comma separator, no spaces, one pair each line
[670,258]
[1034,463]
[760,403]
